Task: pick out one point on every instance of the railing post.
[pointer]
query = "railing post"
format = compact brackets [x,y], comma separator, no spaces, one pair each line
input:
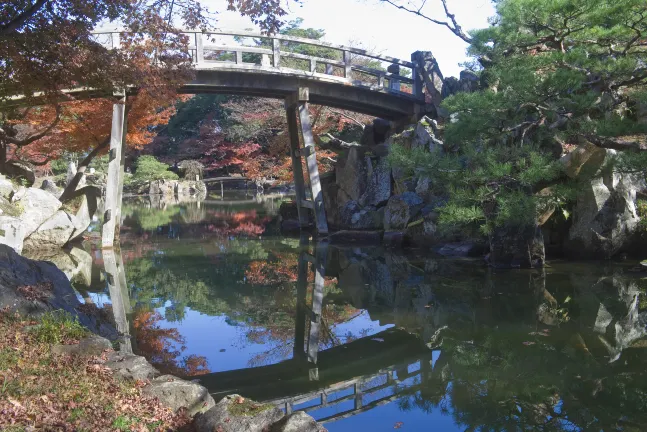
[418,75]
[199,48]
[329,69]
[313,65]
[276,50]
[115,39]
[395,70]
[347,65]
[265,60]
[239,57]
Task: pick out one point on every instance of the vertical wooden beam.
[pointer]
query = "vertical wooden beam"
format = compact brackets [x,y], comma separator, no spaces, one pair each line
[265,60]
[393,83]
[329,69]
[347,65]
[199,48]
[313,65]
[297,170]
[122,166]
[358,395]
[115,40]
[239,57]
[114,170]
[276,50]
[302,290]
[313,170]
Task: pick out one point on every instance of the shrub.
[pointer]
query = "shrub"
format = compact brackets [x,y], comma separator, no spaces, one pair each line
[57,327]
[148,169]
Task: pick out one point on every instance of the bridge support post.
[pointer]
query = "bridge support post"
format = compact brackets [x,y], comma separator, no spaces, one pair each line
[297,170]
[321,252]
[115,182]
[116,275]
[302,290]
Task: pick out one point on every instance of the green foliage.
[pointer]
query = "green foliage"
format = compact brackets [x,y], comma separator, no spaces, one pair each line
[57,327]
[59,166]
[149,169]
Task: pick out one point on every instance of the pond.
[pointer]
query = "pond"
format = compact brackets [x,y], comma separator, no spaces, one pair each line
[364,338]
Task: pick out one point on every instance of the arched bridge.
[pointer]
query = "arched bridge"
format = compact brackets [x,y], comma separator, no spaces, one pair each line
[235,62]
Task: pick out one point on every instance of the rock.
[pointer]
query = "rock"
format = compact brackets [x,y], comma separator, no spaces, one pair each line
[378,183]
[353,216]
[11,232]
[424,136]
[57,256]
[605,217]
[54,293]
[21,172]
[237,414]
[177,393]
[402,183]
[517,247]
[92,345]
[55,232]
[381,129]
[131,367]
[163,187]
[36,207]
[86,212]
[469,82]
[368,137]
[50,187]
[190,187]
[330,191]
[400,210]
[83,271]
[393,239]
[6,187]
[297,422]
[460,250]
[351,173]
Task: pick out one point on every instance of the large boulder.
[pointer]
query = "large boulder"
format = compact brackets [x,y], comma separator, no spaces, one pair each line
[163,187]
[605,217]
[48,289]
[7,188]
[36,207]
[517,247]
[401,210]
[236,414]
[11,232]
[297,422]
[131,367]
[351,173]
[51,187]
[177,393]
[354,216]
[378,182]
[86,211]
[55,232]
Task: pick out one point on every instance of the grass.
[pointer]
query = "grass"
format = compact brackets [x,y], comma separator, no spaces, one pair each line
[58,326]
[245,407]
[40,390]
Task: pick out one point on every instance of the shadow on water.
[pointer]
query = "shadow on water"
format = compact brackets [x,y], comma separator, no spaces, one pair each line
[370,338]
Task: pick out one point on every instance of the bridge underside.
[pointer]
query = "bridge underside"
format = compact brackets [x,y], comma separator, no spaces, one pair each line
[323,90]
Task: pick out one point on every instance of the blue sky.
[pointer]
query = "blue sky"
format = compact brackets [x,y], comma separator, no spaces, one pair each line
[380,27]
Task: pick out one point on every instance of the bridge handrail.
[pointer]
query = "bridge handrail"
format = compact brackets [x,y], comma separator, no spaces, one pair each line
[199,46]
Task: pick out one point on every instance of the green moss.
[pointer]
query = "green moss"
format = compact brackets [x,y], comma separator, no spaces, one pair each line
[247,408]
[57,327]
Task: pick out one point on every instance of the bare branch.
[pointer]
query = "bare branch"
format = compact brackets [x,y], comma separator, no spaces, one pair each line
[454,27]
[18,21]
[35,137]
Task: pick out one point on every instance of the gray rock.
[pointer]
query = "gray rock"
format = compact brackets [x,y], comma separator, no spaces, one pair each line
[381,129]
[57,256]
[424,136]
[605,216]
[177,393]
[353,216]
[17,271]
[83,272]
[11,232]
[297,422]
[92,345]
[231,416]
[131,367]
[460,249]
[517,247]
[163,187]
[378,183]
[50,187]
[351,173]
[401,210]
[37,206]
[55,232]
[6,187]
[86,212]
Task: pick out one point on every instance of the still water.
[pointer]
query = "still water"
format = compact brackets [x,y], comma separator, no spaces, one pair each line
[368,339]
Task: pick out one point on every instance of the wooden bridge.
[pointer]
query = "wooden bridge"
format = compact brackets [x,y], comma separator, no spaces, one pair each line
[269,67]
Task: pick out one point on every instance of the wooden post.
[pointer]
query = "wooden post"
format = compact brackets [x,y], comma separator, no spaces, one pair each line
[265,60]
[302,290]
[199,49]
[120,187]
[347,65]
[239,57]
[276,50]
[114,173]
[313,65]
[394,84]
[313,170]
[297,170]
[119,297]
[358,395]
[329,69]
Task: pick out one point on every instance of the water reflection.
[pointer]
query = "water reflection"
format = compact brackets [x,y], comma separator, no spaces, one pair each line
[363,337]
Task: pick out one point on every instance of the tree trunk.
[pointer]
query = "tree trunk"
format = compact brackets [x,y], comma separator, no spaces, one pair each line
[68,193]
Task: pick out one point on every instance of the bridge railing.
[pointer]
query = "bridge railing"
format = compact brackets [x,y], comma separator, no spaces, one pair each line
[234,50]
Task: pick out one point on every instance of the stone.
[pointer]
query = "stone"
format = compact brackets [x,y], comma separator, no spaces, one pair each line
[237,414]
[163,187]
[83,271]
[55,232]
[381,129]
[11,232]
[351,173]
[330,191]
[57,256]
[297,422]
[368,137]
[517,247]
[131,367]
[424,136]
[50,187]
[92,345]
[21,172]
[355,217]
[378,183]
[6,187]
[86,212]
[605,216]
[190,187]
[393,239]
[177,393]
[400,210]
[36,207]
[402,182]
[56,292]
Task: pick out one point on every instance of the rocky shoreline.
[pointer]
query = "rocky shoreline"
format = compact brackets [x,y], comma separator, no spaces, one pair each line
[50,290]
